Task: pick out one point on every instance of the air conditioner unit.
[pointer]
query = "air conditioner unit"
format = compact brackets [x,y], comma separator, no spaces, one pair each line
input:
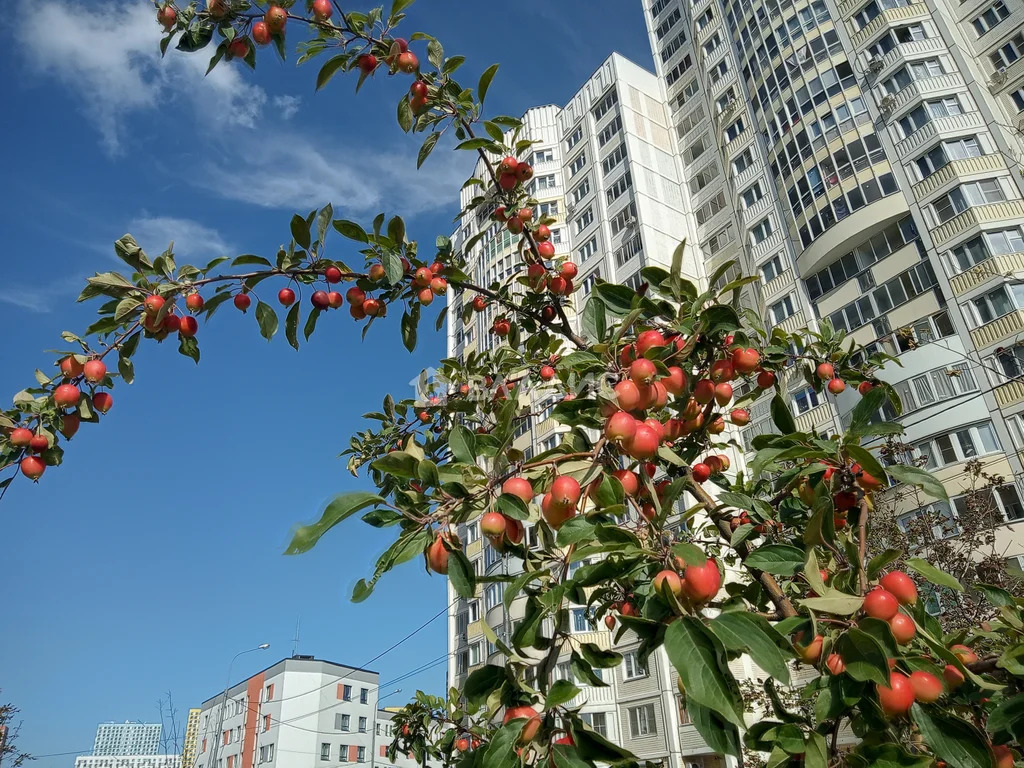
[887,103]
[875,65]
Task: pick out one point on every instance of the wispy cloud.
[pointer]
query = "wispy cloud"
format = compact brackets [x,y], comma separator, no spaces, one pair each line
[41,298]
[286,106]
[193,241]
[358,180]
[107,54]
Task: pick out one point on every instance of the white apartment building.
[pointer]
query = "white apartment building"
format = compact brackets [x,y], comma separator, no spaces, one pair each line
[864,157]
[128,761]
[127,738]
[299,712]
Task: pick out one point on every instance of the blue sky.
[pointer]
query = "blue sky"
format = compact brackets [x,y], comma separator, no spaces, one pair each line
[153,554]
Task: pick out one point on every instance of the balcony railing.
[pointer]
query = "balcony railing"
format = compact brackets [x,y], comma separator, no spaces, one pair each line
[815,417]
[885,18]
[793,323]
[997,266]
[1010,393]
[938,126]
[1010,210]
[955,168]
[999,329]
[779,282]
[928,86]
[913,49]
[774,240]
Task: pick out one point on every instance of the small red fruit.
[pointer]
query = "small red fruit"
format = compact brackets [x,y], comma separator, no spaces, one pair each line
[901,586]
[462,745]
[32,467]
[493,524]
[702,582]
[667,581]
[701,472]
[102,401]
[565,492]
[836,386]
[372,307]
[194,302]
[261,33]
[367,62]
[508,165]
[242,301]
[322,9]
[189,326]
[864,387]
[167,16]
[644,444]
[880,604]
[276,17]
[642,371]
[546,249]
[238,48]
[721,370]
[518,486]
[568,270]
[479,303]
[377,272]
[70,422]
[408,63]
[629,480]
[766,380]
[628,395]
[723,393]
[810,653]
[94,371]
[21,437]
[675,382]
[154,304]
[508,181]
[524,172]
[38,443]
[609,621]
[425,296]
[903,628]
[355,295]
[70,367]
[286,296]
[965,654]
[896,698]
[437,556]
[439,286]
[927,687]
[835,664]
[66,395]
[825,371]
[542,233]
[745,360]
[332,274]
[335,300]
[532,725]
[704,391]
[620,428]
[547,373]
[320,300]
[953,676]
[740,417]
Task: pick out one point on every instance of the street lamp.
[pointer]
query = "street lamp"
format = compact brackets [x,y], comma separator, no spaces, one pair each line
[373,732]
[224,701]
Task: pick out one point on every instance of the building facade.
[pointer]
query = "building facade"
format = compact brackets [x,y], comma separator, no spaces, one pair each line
[863,157]
[127,738]
[128,761]
[188,753]
[299,712]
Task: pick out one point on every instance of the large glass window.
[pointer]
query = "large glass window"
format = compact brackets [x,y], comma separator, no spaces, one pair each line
[966,196]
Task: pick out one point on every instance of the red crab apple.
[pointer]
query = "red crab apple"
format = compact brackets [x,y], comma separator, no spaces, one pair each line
[238,48]
[20,437]
[965,654]
[620,428]
[408,62]
[880,604]
[825,371]
[276,17]
[864,387]
[518,486]
[740,417]
[644,443]
[242,301]
[903,628]
[836,386]
[194,302]
[189,326]
[94,371]
[702,582]
[66,395]
[927,687]
[38,443]
[896,698]
[321,300]
[437,556]
[766,380]
[532,725]
[322,9]
[667,581]
[167,16]
[261,33]
[701,472]
[70,367]
[629,480]
[335,300]
[493,524]
[810,653]
[367,62]
[900,586]
[745,361]
[102,401]
[32,467]
[286,296]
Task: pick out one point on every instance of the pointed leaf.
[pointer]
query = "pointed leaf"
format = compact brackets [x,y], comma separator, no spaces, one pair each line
[341,507]
[267,319]
[694,656]
[291,326]
[485,82]
[427,148]
[954,740]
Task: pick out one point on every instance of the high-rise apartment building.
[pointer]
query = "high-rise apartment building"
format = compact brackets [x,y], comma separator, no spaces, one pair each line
[863,157]
[605,167]
[127,738]
[298,712]
[128,761]
[188,753]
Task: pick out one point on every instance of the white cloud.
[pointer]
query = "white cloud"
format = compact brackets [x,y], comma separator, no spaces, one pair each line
[193,242]
[107,54]
[40,298]
[355,179]
[287,106]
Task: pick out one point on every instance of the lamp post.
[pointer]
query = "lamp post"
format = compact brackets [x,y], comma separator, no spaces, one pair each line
[218,735]
[373,731]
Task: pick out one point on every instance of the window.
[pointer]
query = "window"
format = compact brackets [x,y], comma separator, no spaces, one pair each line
[590,281]
[581,622]
[892,293]
[342,722]
[734,130]
[1018,99]
[992,15]
[751,195]
[492,596]
[918,70]
[343,751]
[491,556]
[673,45]
[772,268]
[362,725]
[725,101]
[462,663]
[345,691]
[805,400]
[719,240]
[574,138]
[864,16]
[873,250]
[270,692]
[616,157]
[364,695]
[710,208]
[616,190]
[542,156]
[954,447]
[924,113]
[471,533]
[577,164]
[581,191]
[587,250]
[704,19]
[623,218]
[596,720]
[718,71]
[966,196]
[360,754]
[689,91]
[584,220]
[473,609]
[938,157]
[606,103]
[548,209]
[998,302]
[545,182]
[609,131]
[743,161]
[691,121]
[712,42]
[696,149]
[556,236]
[761,231]
[662,29]
[984,246]
[703,177]
[632,669]
[931,522]
[641,721]
[677,71]
[325,751]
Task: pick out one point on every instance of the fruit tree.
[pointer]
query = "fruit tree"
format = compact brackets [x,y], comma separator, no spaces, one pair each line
[770,559]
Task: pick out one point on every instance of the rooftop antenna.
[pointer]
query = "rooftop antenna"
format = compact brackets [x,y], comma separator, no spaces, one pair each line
[295,640]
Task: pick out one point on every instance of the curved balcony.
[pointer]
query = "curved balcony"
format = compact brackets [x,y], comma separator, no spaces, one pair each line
[766,246]
[929,86]
[938,127]
[890,16]
[849,232]
[1000,267]
[906,51]
[1008,211]
[955,169]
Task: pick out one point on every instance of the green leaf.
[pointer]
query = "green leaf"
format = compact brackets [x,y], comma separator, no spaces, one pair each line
[921,478]
[782,416]
[864,656]
[595,324]
[995,595]
[500,751]
[249,258]
[933,574]
[513,506]
[427,148]
[398,463]
[410,321]
[598,657]
[477,143]
[887,756]
[746,632]
[351,230]
[300,231]
[397,6]
[187,346]
[267,319]
[778,559]
[574,530]
[878,562]
[618,299]
[481,682]
[693,654]
[1008,716]
[460,574]
[341,507]
[561,692]
[404,114]
[834,602]
[328,70]
[291,326]
[868,407]
[435,54]
[310,326]
[719,734]
[954,740]
[463,444]
[485,82]
[396,229]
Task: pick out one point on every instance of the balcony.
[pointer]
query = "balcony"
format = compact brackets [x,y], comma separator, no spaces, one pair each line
[848,7]
[1008,211]
[938,126]
[822,414]
[766,246]
[1010,393]
[793,323]
[885,18]
[999,329]
[778,283]
[997,266]
[906,51]
[751,214]
[593,694]
[956,168]
[928,86]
